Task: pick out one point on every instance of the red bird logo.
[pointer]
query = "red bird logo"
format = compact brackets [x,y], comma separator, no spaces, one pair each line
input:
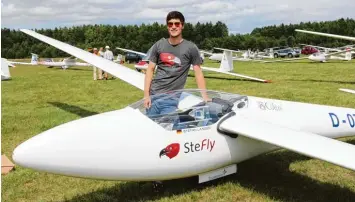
[170,151]
[169,59]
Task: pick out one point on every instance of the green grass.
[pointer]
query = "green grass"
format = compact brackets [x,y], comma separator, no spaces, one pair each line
[38,98]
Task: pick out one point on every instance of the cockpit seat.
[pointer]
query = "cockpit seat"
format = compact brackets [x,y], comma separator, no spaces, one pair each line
[186,118]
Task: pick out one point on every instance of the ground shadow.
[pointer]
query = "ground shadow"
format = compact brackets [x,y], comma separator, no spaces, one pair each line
[305,62]
[76,69]
[324,81]
[73,109]
[228,79]
[267,174]
[271,176]
[68,69]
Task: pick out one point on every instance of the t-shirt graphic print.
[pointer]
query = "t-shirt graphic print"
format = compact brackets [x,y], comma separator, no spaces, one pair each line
[170,60]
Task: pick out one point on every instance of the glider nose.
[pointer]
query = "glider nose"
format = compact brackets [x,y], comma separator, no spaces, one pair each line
[94,147]
[28,154]
[76,143]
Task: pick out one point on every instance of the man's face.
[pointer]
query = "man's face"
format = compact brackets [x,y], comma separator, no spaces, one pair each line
[175,27]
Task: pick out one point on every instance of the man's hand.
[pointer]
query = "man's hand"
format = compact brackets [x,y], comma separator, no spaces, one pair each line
[147,82]
[207,99]
[147,102]
[201,83]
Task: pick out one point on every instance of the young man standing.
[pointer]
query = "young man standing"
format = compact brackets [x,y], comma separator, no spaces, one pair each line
[173,57]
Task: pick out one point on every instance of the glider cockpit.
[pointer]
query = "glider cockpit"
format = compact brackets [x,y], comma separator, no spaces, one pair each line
[183,109]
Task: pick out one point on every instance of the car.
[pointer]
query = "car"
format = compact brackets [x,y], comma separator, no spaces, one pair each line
[289,52]
[278,48]
[307,50]
[298,51]
[132,57]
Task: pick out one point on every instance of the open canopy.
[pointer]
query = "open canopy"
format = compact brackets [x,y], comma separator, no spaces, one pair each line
[182,109]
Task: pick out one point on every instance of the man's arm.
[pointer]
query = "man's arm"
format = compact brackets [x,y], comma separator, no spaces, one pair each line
[196,61]
[200,80]
[147,82]
[148,78]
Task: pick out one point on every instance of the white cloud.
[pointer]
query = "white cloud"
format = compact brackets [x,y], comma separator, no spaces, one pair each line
[239,15]
[42,11]
[150,13]
[170,4]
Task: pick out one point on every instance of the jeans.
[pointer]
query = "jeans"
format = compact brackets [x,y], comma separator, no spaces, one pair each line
[162,105]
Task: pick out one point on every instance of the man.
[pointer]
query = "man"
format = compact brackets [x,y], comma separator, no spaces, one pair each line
[109,56]
[101,54]
[173,57]
[96,52]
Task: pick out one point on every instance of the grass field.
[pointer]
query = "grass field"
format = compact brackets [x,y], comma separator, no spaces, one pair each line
[39,98]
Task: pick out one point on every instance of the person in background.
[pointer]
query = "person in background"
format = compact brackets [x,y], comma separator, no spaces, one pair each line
[101,54]
[96,52]
[109,56]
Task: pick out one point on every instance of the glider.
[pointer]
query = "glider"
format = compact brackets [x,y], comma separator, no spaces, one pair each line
[65,64]
[333,36]
[320,57]
[201,138]
[5,72]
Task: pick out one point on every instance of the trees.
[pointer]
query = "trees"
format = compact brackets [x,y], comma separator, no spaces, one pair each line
[16,44]
[139,38]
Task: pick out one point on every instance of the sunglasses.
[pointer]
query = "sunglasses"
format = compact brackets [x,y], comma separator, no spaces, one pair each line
[177,24]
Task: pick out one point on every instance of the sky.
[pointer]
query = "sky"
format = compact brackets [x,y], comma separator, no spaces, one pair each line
[241,16]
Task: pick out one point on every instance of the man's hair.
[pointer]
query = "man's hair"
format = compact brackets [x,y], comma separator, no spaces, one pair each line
[175,15]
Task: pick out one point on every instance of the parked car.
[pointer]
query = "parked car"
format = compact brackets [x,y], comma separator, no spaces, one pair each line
[289,52]
[297,49]
[307,50]
[278,48]
[132,57]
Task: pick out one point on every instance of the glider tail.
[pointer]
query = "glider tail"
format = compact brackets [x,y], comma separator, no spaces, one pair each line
[34,58]
[5,72]
[348,54]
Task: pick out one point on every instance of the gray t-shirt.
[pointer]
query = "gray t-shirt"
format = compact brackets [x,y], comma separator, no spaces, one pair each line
[173,64]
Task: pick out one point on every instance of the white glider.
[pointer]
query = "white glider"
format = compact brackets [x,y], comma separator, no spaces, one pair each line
[347,90]
[326,34]
[333,36]
[5,72]
[200,138]
[320,57]
[65,64]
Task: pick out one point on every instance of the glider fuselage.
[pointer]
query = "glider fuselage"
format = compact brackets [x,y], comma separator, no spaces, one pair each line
[128,145]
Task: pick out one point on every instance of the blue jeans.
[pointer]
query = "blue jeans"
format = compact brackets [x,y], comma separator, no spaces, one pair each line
[162,105]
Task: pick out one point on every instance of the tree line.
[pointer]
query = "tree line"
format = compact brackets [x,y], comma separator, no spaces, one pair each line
[285,35]
[16,44]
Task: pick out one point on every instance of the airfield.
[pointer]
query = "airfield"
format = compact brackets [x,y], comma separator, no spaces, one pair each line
[38,98]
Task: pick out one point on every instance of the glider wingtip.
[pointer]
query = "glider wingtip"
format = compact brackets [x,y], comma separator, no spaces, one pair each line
[267,81]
